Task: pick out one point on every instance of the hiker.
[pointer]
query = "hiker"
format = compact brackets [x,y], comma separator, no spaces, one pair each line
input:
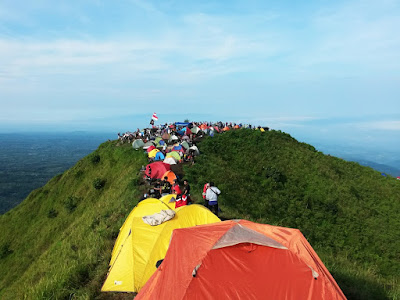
[165,187]
[212,194]
[206,186]
[157,189]
[176,189]
[181,200]
[186,191]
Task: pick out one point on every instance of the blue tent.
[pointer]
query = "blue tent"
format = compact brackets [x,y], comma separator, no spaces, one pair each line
[177,148]
[159,156]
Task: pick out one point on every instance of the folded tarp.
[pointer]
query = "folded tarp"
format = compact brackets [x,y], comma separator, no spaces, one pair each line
[159,218]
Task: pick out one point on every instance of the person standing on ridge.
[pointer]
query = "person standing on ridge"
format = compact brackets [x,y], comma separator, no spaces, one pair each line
[186,191]
[206,186]
[176,189]
[212,194]
[165,187]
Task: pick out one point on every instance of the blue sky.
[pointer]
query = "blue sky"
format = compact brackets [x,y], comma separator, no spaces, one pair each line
[291,65]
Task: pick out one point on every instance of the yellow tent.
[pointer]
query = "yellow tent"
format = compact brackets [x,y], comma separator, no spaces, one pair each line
[153,153]
[168,199]
[139,246]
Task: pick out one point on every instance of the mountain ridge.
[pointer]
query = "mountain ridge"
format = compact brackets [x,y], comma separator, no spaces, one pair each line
[66,229]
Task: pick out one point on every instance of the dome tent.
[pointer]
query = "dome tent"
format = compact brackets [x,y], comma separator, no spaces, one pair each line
[157,169]
[137,144]
[240,259]
[140,246]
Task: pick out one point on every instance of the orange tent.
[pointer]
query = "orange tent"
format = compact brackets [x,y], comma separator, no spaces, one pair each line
[226,128]
[240,260]
[203,127]
[171,176]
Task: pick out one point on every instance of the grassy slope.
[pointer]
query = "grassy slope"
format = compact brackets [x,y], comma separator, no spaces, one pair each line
[65,252]
[349,213]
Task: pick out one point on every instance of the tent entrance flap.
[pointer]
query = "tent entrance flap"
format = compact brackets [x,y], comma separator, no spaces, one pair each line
[241,234]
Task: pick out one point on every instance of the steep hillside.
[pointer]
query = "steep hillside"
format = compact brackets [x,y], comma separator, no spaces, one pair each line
[57,243]
[349,213]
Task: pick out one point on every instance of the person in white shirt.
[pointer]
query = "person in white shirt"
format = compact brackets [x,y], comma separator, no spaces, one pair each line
[212,194]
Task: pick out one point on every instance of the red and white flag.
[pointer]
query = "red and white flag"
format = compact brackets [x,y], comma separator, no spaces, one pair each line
[154,117]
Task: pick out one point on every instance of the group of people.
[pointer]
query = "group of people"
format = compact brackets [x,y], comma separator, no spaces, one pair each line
[148,134]
[174,135]
[164,187]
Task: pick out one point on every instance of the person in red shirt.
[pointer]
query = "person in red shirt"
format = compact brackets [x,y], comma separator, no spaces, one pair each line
[206,186]
[176,189]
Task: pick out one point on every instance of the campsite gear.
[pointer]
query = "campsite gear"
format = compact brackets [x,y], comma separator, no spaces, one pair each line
[137,144]
[159,218]
[174,154]
[195,150]
[151,148]
[239,259]
[139,246]
[148,144]
[173,138]
[153,153]
[195,129]
[170,160]
[159,156]
[185,145]
[165,136]
[170,175]
[157,169]
[178,148]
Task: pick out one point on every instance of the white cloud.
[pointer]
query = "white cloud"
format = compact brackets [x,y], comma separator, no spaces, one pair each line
[380,125]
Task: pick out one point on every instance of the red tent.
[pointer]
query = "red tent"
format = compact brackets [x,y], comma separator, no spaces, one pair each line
[240,260]
[157,169]
[150,148]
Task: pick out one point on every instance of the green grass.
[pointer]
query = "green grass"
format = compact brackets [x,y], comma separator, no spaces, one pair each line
[58,242]
[57,255]
[349,213]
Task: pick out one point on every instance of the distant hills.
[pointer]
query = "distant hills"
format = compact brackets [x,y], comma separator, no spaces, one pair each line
[57,243]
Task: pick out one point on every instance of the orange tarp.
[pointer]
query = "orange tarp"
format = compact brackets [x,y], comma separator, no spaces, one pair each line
[240,260]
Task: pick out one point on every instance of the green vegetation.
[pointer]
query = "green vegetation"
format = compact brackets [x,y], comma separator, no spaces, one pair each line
[349,213]
[57,243]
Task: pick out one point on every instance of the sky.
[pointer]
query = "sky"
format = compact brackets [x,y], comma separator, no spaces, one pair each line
[322,67]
